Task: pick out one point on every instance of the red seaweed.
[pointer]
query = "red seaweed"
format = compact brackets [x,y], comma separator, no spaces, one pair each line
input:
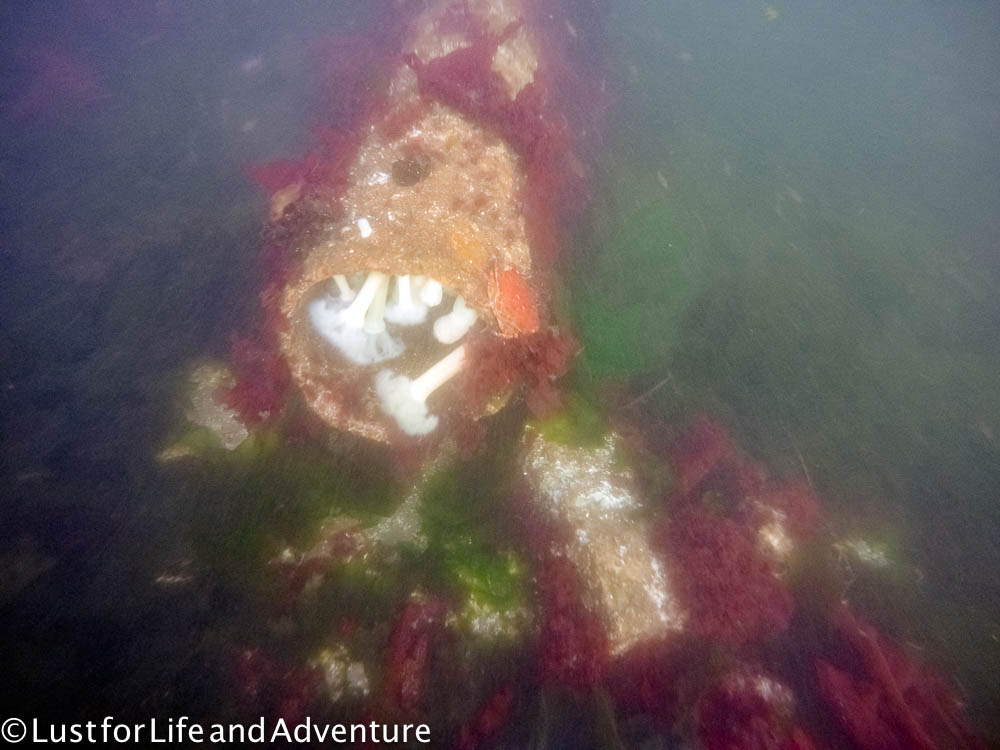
[573,648]
[731,591]
[748,710]
[408,655]
[535,360]
[489,720]
[262,381]
[272,176]
[884,699]
[466,81]
[649,679]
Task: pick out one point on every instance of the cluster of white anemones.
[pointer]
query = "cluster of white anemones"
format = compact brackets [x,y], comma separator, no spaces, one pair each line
[355,323]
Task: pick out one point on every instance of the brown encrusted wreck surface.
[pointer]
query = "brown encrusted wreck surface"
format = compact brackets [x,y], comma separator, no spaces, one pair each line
[440,197]
[461,219]
[585,493]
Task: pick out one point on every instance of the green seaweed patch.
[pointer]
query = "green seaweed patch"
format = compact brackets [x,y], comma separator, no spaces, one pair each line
[578,423]
[470,496]
[491,576]
[490,587]
[194,442]
[469,556]
[634,282]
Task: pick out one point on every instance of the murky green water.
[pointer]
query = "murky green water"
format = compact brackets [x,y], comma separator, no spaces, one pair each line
[827,190]
[795,230]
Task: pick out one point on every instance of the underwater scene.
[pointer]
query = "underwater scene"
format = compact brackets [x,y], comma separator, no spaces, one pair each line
[500,373]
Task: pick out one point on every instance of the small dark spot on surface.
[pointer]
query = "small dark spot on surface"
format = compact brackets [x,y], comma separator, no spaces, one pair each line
[411,170]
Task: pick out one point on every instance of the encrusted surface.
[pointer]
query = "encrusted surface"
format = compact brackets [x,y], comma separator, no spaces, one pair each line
[453,225]
[433,36]
[515,62]
[586,491]
[441,199]
[207,411]
[430,192]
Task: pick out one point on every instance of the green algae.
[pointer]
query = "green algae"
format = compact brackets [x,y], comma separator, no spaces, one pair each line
[635,282]
[578,423]
[470,556]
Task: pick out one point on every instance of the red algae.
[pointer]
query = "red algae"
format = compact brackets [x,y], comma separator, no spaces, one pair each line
[465,81]
[262,381]
[535,360]
[489,720]
[651,679]
[855,706]
[404,682]
[708,468]
[356,71]
[695,682]
[730,590]
[272,176]
[336,547]
[748,710]
[572,647]
[732,593]
[884,699]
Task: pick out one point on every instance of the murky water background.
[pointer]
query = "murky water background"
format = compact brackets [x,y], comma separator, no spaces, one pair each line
[796,232]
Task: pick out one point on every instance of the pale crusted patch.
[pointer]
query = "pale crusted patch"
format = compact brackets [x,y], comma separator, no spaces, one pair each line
[207,411]
[586,490]
[516,62]
[430,45]
[283,198]
[498,15]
